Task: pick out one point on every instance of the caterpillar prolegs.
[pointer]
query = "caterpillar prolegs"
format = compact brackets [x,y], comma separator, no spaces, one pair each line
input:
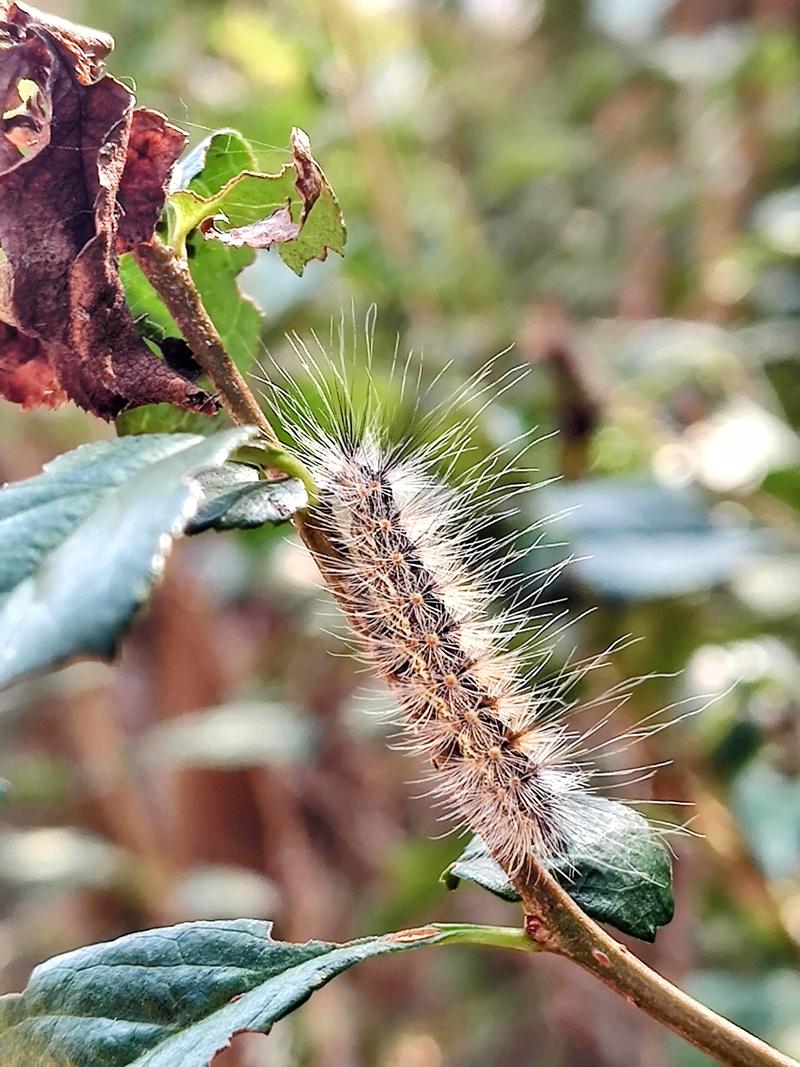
[419,581]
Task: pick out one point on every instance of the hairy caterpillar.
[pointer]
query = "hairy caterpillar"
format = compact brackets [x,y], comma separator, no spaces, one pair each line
[418,582]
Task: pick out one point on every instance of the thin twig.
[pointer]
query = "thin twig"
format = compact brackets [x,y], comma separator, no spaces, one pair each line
[552,918]
[172,280]
[557,923]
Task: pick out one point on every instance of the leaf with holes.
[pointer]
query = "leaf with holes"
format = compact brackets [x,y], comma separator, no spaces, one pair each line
[294,209]
[83,542]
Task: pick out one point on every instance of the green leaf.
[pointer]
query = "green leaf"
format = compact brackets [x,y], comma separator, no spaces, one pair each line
[295,209]
[617,871]
[162,418]
[83,541]
[142,298]
[323,229]
[213,162]
[177,995]
[214,269]
[235,497]
[218,178]
[475,864]
[218,160]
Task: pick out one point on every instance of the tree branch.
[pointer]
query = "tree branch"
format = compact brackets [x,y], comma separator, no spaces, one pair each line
[558,925]
[553,921]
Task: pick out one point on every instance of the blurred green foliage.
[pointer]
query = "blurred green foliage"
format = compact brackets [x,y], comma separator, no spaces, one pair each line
[615,186]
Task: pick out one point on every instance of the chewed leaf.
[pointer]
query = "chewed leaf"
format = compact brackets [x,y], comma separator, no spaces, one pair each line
[175,995]
[619,873]
[218,158]
[84,540]
[295,209]
[322,229]
[234,497]
[277,228]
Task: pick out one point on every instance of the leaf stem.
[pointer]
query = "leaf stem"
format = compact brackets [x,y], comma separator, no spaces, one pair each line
[553,921]
[170,277]
[496,936]
[173,282]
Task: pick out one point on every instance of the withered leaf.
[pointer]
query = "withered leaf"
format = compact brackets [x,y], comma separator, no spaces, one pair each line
[86,48]
[26,377]
[153,148]
[90,157]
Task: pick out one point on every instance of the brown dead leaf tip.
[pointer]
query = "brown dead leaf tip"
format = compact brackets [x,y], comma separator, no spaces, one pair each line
[86,48]
[153,148]
[26,377]
[82,176]
[277,228]
[310,179]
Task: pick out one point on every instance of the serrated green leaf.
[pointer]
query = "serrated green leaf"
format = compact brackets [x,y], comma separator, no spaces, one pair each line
[294,208]
[177,995]
[234,497]
[617,871]
[82,542]
[323,230]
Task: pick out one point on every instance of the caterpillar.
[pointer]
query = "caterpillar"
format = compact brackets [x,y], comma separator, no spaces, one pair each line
[419,583]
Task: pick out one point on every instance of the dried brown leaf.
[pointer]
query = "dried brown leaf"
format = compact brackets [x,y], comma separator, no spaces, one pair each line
[153,148]
[26,375]
[70,332]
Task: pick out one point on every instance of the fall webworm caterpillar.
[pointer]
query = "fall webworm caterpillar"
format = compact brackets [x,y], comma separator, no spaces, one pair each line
[419,576]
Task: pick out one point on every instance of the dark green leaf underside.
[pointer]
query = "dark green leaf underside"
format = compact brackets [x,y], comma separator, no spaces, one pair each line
[619,873]
[234,497]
